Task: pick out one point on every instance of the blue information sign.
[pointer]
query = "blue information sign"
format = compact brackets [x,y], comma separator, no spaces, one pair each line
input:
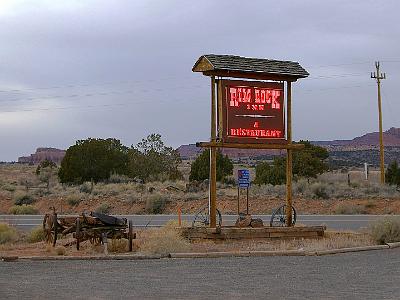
[244,178]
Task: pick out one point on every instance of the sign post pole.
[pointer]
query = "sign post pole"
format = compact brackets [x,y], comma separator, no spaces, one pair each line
[213,160]
[289,157]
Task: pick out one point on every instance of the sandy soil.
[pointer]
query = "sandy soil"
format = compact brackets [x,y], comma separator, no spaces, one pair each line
[226,205]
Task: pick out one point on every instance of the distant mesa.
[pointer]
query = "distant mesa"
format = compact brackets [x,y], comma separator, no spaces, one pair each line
[41,154]
[391,138]
[190,152]
[367,141]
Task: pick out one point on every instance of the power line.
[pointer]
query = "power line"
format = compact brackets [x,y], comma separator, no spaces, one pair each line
[335,88]
[92,84]
[90,106]
[157,80]
[100,94]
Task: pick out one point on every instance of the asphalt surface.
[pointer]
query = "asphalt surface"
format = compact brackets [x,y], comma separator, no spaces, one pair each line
[336,222]
[363,275]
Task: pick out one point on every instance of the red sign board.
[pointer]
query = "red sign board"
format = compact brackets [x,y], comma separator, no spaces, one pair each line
[253,112]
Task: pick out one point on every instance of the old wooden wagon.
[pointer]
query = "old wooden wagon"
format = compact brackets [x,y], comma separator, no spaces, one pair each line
[93,227]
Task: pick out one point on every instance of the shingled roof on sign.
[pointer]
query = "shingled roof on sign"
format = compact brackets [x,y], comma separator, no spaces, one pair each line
[245,67]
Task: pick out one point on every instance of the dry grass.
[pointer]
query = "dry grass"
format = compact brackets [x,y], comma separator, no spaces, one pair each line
[386,230]
[350,209]
[60,250]
[36,235]
[7,234]
[23,210]
[118,245]
[338,240]
[331,240]
[163,241]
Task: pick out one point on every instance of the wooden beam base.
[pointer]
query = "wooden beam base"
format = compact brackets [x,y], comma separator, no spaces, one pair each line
[249,146]
[223,233]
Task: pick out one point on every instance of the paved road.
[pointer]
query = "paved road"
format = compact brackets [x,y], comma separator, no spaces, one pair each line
[342,222]
[363,275]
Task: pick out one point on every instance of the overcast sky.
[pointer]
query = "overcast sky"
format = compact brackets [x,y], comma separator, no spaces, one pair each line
[76,69]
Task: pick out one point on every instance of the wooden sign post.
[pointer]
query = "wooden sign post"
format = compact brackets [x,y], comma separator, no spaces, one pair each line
[250,114]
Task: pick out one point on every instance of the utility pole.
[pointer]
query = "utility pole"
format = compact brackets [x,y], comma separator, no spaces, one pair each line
[379,76]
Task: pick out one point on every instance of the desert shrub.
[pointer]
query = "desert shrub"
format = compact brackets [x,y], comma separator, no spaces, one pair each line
[104,208]
[320,190]
[386,230]
[118,245]
[36,235]
[155,204]
[86,187]
[163,241]
[23,210]
[192,196]
[60,250]
[268,190]
[370,204]
[300,186]
[132,199]
[152,160]
[116,178]
[7,234]
[393,174]
[21,198]
[9,187]
[200,168]
[93,160]
[113,189]
[349,209]
[73,199]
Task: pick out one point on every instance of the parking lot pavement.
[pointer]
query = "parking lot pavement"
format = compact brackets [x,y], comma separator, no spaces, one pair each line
[364,275]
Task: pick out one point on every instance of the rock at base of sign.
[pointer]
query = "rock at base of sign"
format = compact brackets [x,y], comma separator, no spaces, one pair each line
[243,221]
[256,223]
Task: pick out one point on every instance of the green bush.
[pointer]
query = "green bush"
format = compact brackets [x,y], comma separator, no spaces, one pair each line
[393,174]
[21,198]
[73,199]
[36,235]
[7,234]
[386,230]
[23,210]
[86,187]
[200,168]
[320,191]
[9,188]
[104,208]
[116,178]
[155,204]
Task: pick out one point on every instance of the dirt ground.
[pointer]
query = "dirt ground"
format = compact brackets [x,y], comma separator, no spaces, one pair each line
[130,198]
[227,205]
[331,240]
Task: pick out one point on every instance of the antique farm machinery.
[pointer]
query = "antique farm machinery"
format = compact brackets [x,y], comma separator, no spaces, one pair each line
[278,217]
[94,227]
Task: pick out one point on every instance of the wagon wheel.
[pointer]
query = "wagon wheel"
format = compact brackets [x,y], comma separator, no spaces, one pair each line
[278,218]
[201,218]
[50,228]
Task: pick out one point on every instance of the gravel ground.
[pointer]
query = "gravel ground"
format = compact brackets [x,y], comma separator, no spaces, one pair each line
[363,275]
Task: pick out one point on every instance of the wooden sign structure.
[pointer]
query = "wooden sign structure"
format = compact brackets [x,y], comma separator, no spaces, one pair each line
[250,114]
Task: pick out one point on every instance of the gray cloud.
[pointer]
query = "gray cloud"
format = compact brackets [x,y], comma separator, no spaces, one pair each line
[123,68]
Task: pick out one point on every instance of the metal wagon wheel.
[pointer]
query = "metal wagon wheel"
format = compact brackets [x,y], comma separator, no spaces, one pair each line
[278,218]
[50,228]
[201,218]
